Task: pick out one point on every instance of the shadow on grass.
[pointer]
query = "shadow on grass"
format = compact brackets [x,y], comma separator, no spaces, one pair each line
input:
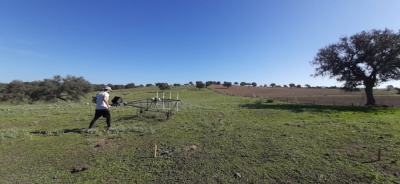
[368,162]
[145,118]
[75,130]
[310,108]
[364,162]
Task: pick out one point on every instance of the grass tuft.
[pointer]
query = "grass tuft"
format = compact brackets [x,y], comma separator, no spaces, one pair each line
[13,132]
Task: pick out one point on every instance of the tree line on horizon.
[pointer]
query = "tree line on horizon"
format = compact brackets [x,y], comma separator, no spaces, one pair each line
[72,88]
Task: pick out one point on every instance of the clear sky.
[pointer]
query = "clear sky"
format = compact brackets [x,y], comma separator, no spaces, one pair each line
[177,41]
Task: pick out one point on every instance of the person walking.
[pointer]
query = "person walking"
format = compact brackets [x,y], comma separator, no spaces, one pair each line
[102,108]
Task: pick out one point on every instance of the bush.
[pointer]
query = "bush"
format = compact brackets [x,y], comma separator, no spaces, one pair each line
[258,101]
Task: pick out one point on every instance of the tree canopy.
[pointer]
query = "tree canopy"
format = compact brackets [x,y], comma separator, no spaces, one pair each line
[69,88]
[162,86]
[366,58]
[200,84]
[227,84]
[389,87]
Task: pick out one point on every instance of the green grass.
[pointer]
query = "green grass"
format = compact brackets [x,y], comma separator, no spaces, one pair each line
[237,139]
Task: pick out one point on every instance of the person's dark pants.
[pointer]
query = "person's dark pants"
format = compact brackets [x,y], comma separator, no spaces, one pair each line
[103,112]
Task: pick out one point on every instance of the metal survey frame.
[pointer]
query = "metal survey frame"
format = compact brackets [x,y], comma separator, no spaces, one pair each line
[153,105]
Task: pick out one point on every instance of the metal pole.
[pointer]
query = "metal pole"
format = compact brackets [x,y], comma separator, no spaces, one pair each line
[163,100]
[177,102]
[157,100]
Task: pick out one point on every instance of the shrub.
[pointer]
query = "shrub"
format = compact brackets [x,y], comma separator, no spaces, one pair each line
[258,101]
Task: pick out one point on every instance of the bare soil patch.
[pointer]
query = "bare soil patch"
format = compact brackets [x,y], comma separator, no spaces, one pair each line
[308,95]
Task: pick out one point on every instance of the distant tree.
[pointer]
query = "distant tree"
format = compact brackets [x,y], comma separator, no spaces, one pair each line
[292,85]
[389,87]
[98,87]
[141,85]
[307,85]
[15,92]
[218,83]
[200,84]
[209,83]
[73,88]
[236,83]
[149,85]
[254,84]
[242,83]
[163,86]
[69,88]
[285,86]
[366,58]
[186,84]
[298,86]
[278,86]
[130,85]
[2,88]
[177,85]
[227,84]
[272,84]
[109,85]
[48,90]
[190,83]
[118,86]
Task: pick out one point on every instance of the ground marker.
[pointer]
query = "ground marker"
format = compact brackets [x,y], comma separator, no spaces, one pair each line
[155,151]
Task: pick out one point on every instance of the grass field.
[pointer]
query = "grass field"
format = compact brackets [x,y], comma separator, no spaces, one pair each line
[214,138]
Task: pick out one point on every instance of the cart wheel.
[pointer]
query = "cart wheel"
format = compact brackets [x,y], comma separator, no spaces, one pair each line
[168,115]
[139,112]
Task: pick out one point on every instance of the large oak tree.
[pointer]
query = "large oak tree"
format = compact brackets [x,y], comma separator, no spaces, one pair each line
[366,58]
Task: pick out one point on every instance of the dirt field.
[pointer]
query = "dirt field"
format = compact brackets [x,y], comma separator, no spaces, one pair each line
[312,96]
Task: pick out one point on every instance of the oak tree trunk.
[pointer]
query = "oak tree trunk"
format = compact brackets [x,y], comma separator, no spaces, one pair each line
[368,93]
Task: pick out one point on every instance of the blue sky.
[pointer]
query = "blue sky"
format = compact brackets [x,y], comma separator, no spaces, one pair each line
[177,41]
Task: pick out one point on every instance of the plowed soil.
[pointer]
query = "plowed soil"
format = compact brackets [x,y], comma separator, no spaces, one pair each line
[311,95]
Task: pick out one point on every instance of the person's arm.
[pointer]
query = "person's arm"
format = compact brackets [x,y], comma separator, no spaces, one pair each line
[105,99]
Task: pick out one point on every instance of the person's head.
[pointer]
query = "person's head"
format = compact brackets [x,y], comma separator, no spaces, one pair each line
[107,89]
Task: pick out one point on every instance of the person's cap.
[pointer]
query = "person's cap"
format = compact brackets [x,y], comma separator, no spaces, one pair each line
[108,88]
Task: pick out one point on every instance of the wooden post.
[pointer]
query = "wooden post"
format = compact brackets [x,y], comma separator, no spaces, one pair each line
[379,154]
[155,151]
